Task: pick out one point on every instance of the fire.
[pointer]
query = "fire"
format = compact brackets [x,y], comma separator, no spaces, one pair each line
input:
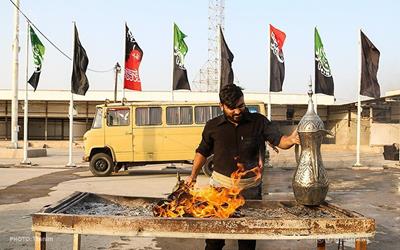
[205,202]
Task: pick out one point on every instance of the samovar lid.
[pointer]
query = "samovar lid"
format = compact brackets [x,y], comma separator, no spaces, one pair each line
[310,122]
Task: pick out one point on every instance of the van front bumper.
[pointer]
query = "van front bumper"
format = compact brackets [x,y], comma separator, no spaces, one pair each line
[85,158]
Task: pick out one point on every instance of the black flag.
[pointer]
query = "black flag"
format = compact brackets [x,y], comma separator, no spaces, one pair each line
[369,68]
[79,81]
[277,62]
[226,76]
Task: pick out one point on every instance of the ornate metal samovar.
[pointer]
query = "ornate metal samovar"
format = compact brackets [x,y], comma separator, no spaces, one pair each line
[310,182]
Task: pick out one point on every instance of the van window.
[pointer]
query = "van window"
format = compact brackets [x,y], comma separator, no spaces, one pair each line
[148,116]
[118,116]
[216,111]
[253,108]
[97,121]
[179,115]
[205,113]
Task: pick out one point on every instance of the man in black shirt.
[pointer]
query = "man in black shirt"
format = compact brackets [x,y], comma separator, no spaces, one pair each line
[237,137]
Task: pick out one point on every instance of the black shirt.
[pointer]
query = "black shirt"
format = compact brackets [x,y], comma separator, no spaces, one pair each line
[232,144]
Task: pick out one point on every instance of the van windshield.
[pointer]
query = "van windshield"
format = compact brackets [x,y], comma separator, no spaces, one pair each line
[98,118]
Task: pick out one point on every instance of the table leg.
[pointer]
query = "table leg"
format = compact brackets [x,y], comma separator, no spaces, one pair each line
[76,245]
[320,244]
[361,244]
[40,240]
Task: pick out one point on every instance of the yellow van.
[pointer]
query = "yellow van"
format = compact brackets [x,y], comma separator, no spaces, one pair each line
[137,133]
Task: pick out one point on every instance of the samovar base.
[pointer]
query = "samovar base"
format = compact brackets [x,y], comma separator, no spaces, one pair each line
[311,195]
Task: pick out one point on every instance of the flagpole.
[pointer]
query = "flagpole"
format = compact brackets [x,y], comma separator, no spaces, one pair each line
[315,96]
[269,104]
[173,62]
[71,106]
[123,80]
[25,160]
[219,60]
[14,84]
[358,164]
[315,80]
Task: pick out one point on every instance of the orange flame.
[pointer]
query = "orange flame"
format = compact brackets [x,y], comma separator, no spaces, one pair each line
[205,202]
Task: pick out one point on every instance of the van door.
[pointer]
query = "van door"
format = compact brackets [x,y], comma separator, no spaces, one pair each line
[148,134]
[118,133]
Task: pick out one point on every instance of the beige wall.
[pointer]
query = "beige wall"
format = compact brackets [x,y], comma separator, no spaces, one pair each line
[384,134]
[279,112]
[345,135]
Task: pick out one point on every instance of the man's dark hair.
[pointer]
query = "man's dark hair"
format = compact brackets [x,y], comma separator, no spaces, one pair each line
[230,94]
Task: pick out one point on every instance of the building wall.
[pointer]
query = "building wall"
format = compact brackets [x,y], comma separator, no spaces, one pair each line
[385,134]
[340,120]
[342,123]
[56,114]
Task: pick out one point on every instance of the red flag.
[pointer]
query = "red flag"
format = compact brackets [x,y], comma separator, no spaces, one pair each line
[280,36]
[133,57]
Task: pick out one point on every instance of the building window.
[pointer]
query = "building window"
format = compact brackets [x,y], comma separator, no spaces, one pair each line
[148,116]
[97,121]
[289,113]
[118,117]
[179,115]
[204,113]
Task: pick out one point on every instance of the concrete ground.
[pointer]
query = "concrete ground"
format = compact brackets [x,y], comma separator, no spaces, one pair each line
[373,192]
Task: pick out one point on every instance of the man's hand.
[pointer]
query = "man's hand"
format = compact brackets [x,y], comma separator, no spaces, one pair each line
[198,162]
[288,141]
[190,181]
[294,137]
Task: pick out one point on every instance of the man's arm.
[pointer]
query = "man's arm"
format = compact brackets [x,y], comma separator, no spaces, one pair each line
[198,162]
[287,142]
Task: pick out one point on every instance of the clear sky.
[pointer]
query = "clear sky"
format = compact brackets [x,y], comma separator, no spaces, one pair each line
[101,29]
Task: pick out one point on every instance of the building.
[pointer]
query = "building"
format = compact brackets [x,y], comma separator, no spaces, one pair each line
[48,113]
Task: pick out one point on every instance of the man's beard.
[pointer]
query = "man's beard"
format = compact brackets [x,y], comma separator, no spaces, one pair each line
[234,118]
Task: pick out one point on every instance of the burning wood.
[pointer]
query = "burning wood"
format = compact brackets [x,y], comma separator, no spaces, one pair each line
[205,202]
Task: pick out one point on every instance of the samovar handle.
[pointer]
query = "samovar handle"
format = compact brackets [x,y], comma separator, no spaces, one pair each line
[297,153]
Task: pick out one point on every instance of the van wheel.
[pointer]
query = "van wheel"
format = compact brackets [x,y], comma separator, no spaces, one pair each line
[208,167]
[101,165]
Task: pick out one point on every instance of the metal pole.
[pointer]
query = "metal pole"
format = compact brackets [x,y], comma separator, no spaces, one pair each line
[173,62]
[358,164]
[123,81]
[269,106]
[117,68]
[315,97]
[269,79]
[219,58]
[25,161]
[71,107]
[46,120]
[71,132]
[14,86]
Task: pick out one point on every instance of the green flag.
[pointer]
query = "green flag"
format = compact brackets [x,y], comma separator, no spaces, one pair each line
[323,75]
[38,53]
[180,79]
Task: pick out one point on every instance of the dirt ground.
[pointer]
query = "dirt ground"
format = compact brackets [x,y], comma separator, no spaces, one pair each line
[373,192]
